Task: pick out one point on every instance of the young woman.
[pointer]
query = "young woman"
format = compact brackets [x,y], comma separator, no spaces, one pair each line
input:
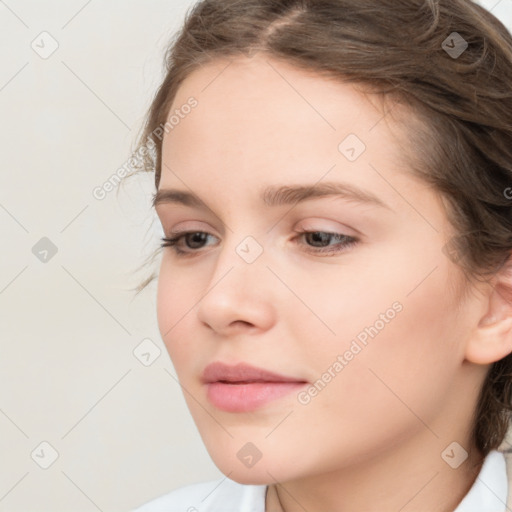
[334,180]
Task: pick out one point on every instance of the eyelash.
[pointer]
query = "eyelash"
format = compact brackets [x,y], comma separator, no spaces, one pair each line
[345,244]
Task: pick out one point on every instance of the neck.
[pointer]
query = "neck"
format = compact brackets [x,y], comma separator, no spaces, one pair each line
[406,479]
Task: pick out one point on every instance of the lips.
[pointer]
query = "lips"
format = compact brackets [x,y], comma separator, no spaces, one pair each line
[242,373]
[244,388]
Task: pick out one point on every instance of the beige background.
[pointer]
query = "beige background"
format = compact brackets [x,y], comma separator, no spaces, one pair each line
[69,325]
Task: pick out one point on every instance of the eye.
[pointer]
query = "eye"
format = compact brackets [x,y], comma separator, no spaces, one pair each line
[198,238]
[320,240]
[324,237]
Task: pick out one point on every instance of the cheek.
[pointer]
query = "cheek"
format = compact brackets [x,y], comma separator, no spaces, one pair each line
[396,321]
[176,298]
[404,368]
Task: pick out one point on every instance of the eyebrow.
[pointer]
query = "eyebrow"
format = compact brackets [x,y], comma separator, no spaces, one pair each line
[273,196]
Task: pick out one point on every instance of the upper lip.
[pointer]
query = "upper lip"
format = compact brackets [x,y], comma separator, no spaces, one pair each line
[242,372]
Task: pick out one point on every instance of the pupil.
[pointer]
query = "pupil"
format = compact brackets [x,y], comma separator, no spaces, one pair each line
[197,237]
[320,237]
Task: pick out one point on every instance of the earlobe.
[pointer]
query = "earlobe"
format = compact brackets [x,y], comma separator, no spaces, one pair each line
[492,338]
[491,341]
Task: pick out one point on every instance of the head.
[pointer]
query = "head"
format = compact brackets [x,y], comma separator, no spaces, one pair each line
[417,300]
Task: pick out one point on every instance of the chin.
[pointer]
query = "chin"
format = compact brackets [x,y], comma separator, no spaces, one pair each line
[264,472]
[250,476]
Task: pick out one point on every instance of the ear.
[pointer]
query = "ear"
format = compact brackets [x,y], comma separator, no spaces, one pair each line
[492,338]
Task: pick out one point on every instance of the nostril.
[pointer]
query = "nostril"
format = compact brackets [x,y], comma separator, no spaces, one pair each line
[242,323]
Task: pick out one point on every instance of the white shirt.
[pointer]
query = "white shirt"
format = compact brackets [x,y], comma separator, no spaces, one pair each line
[490,490]
[487,494]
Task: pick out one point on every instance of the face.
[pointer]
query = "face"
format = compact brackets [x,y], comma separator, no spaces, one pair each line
[350,297]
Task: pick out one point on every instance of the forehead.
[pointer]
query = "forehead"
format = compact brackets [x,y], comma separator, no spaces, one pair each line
[263,92]
[264,120]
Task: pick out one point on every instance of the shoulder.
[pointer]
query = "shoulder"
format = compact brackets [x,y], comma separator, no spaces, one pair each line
[223,495]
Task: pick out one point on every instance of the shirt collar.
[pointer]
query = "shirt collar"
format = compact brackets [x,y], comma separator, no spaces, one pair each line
[489,491]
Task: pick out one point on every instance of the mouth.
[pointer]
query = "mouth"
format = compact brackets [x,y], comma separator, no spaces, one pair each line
[242,373]
[244,388]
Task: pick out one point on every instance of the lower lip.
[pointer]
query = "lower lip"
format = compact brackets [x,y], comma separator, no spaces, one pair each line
[250,396]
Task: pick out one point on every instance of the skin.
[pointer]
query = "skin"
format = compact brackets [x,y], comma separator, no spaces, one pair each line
[372,439]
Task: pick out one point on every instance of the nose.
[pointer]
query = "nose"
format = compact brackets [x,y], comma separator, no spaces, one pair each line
[238,298]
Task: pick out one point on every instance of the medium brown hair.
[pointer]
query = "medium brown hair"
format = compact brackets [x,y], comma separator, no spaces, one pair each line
[400,49]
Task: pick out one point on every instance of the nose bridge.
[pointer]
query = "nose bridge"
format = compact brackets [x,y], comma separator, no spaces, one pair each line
[242,258]
[245,232]
[239,288]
